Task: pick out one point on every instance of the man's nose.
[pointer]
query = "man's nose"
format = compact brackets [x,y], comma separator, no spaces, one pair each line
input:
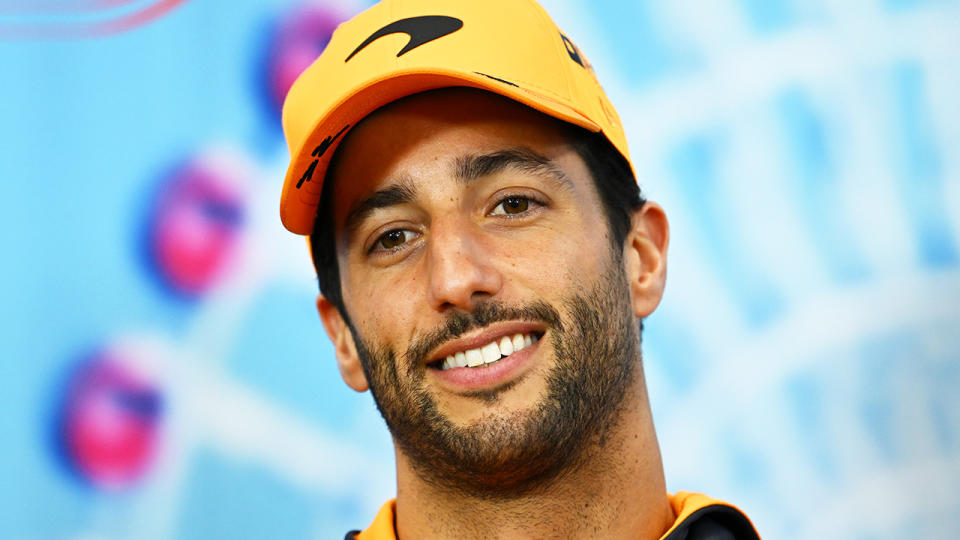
[462,271]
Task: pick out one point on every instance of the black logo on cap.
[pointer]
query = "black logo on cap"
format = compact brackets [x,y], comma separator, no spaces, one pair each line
[572,50]
[318,153]
[420,29]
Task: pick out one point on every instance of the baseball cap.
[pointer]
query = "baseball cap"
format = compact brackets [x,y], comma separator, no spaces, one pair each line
[398,48]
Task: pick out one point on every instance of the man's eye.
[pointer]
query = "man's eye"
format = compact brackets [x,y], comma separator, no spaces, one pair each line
[392,239]
[512,205]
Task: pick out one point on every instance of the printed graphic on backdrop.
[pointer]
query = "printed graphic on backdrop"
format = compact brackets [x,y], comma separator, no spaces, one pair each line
[110,419]
[196,224]
[77,19]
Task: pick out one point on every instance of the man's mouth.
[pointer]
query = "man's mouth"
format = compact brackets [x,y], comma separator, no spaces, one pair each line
[487,354]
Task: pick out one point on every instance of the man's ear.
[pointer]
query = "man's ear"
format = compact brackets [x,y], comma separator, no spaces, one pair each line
[347,359]
[645,257]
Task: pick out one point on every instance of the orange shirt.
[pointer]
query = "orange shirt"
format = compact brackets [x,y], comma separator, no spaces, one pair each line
[693,511]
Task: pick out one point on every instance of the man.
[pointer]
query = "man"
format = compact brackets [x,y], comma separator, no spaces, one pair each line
[485,260]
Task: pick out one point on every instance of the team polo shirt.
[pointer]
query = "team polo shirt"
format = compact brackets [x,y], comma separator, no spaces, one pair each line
[698,518]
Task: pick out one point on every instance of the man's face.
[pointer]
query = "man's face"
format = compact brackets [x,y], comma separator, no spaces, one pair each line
[463,220]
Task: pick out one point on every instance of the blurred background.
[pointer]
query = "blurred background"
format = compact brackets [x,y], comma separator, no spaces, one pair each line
[164,374]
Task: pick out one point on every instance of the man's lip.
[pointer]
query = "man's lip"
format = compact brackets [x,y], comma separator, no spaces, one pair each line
[485,335]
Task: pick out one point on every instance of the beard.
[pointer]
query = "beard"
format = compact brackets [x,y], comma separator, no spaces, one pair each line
[504,455]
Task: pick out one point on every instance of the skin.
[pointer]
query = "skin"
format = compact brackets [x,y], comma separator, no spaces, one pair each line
[461,248]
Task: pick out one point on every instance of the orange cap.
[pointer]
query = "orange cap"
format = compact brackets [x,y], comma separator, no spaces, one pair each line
[402,47]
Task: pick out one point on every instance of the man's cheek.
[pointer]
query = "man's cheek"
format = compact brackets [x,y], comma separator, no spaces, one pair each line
[547,250]
[387,326]
[547,271]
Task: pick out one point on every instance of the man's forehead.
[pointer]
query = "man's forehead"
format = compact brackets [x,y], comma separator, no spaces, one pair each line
[459,133]
[418,117]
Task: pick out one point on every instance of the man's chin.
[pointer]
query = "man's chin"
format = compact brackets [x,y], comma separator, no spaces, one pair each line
[498,453]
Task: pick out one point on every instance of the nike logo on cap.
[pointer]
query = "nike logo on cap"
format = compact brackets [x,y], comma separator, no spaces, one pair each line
[420,29]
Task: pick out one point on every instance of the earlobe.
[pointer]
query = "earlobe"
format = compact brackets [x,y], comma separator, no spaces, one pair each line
[645,257]
[346,350]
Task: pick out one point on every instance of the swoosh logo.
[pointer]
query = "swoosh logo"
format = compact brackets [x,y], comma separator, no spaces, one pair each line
[421,30]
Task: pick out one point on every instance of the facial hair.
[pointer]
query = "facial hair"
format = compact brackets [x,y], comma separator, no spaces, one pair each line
[596,346]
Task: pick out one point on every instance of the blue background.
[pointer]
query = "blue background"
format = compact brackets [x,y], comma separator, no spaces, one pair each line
[803,364]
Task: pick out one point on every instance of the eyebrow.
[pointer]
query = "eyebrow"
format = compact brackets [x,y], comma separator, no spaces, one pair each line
[466,170]
[401,192]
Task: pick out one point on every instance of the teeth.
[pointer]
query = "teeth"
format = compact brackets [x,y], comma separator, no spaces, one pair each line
[474,357]
[506,346]
[489,353]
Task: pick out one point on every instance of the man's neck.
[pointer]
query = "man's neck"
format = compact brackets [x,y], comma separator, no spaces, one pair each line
[618,491]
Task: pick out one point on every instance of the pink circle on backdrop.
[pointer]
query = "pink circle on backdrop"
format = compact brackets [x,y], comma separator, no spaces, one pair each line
[197,224]
[110,421]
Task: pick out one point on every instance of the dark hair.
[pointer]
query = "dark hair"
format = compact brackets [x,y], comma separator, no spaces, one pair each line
[612,176]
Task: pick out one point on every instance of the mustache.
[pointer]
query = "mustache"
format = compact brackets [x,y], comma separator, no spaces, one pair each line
[459,323]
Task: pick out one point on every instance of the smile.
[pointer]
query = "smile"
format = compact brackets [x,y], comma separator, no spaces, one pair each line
[489,353]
